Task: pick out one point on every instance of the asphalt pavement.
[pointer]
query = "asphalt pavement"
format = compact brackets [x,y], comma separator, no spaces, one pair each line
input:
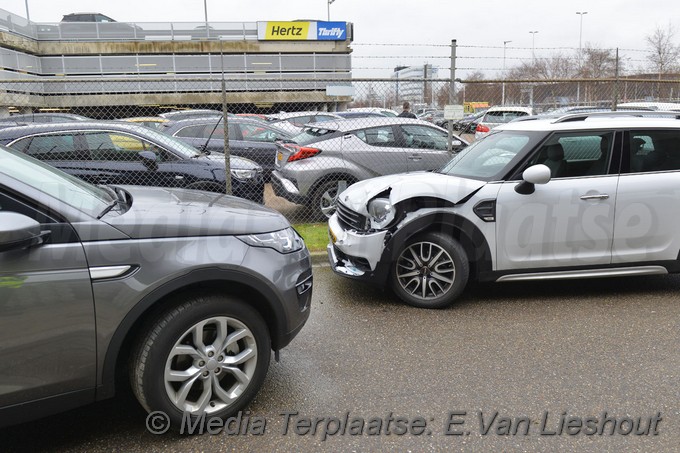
[512,367]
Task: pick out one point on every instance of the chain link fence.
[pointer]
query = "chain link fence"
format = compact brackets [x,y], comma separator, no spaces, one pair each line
[171,131]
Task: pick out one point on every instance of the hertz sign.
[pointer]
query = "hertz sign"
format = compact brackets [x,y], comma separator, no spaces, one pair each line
[302,31]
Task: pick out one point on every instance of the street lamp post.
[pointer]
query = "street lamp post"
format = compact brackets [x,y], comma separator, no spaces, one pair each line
[329,9]
[533,46]
[580,62]
[505,44]
[205,10]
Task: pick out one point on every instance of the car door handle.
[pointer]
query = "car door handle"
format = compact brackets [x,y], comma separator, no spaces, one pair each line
[415,157]
[600,196]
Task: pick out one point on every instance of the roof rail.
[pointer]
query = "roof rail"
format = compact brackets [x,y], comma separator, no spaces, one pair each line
[636,113]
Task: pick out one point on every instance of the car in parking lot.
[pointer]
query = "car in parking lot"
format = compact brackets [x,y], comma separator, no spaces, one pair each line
[248,138]
[495,116]
[329,155]
[107,152]
[293,122]
[585,195]
[180,292]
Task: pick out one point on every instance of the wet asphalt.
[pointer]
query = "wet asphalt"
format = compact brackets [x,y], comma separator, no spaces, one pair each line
[528,351]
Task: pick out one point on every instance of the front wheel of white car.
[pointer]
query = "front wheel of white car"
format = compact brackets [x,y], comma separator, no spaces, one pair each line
[430,271]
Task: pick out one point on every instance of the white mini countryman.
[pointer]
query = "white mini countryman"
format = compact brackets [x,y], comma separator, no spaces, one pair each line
[584,195]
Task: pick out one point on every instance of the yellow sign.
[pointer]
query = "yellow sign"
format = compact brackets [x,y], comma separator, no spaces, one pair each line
[289,31]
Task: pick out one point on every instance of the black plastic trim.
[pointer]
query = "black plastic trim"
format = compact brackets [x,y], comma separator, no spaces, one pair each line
[24,412]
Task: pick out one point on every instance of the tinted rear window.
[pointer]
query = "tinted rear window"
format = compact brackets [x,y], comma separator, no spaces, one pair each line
[312,134]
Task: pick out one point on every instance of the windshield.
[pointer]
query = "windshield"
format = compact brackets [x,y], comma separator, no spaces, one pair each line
[489,158]
[171,143]
[311,135]
[66,188]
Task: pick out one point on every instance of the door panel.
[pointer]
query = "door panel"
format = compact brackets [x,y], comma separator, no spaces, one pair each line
[564,223]
[375,150]
[47,327]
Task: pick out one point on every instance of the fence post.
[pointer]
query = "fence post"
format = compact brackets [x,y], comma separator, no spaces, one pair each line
[225,123]
[616,81]
[452,84]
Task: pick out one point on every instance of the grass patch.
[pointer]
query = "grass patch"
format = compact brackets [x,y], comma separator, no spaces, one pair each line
[314,234]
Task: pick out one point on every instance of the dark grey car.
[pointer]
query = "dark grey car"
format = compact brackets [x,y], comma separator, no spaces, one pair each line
[248,138]
[187,291]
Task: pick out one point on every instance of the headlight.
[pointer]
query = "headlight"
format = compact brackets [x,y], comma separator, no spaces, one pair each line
[283,241]
[244,174]
[381,212]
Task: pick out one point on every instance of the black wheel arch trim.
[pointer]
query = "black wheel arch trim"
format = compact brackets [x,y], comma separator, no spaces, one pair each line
[278,335]
[473,241]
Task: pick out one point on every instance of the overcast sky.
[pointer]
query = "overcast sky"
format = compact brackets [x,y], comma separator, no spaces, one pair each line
[480,27]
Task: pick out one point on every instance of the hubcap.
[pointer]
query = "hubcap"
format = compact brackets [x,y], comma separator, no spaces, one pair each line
[328,202]
[425,270]
[211,365]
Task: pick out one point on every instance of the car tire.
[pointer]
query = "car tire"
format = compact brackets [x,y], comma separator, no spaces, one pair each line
[208,355]
[430,271]
[324,200]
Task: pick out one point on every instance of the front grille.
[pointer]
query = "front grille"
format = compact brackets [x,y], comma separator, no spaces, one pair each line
[351,219]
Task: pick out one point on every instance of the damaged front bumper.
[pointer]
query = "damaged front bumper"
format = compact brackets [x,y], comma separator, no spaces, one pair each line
[353,253]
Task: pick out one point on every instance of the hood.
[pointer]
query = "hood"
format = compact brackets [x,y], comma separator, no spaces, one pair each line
[163,212]
[408,185]
[235,162]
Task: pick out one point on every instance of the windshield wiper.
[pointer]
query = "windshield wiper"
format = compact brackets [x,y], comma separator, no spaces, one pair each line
[119,199]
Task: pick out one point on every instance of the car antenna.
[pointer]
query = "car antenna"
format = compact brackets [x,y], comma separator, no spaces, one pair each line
[207,140]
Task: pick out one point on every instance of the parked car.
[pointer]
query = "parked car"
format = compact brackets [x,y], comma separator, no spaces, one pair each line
[190,113]
[152,122]
[468,124]
[580,196]
[47,118]
[336,153]
[294,122]
[496,116]
[248,138]
[361,114]
[378,110]
[87,24]
[178,290]
[107,152]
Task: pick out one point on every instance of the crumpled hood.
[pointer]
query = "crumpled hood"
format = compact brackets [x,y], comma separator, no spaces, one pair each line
[164,212]
[408,185]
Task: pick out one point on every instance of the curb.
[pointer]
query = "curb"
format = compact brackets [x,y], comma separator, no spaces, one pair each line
[319,258]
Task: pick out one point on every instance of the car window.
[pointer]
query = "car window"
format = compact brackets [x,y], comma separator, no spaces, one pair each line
[300,120]
[191,131]
[311,135]
[502,116]
[49,180]
[116,146]
[489,159]
[576,154]
[377,136]
[654,151]
[50,147]
[423,137]
[259,133]
[322,118]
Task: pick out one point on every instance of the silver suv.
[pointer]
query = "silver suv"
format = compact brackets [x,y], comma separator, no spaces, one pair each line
[188,291]
[339,153]
[584,195]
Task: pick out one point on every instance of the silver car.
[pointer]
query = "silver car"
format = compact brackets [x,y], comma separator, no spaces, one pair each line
[186,291]
[335,154]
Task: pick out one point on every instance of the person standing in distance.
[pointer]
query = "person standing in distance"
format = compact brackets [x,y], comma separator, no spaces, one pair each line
[406,113]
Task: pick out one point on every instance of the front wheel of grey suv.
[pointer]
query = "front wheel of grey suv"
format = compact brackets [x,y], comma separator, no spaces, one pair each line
[431,271]
[208,355]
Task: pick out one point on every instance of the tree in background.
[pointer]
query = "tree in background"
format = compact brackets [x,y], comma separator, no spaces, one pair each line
[663,54]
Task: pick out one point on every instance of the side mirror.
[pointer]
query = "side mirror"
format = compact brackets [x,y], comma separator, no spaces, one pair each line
[18,231]
[536,174]
[149,159]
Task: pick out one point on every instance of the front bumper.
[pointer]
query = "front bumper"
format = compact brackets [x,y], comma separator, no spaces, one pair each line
[286,188]
[355,254]
[253,191]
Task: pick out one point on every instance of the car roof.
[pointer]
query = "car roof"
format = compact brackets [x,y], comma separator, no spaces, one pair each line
[39,128]
[174,126]
[510,108]
[598,120]
[285,115]
[351,124]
